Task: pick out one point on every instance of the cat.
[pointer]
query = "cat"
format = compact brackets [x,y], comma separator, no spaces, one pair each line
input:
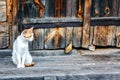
[20,54]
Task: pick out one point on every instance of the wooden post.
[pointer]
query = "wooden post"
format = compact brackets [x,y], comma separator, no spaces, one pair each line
[10,19]
[86,24]
[14,31]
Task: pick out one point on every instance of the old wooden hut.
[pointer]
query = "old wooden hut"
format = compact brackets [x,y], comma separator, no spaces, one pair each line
[61,24]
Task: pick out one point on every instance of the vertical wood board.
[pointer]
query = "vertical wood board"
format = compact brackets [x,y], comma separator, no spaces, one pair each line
[86,24]
[4,42]
[77,31]
[55,37]
[118,36]
[3,10]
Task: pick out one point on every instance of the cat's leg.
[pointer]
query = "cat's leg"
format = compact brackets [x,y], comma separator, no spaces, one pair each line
[23,60]
[19,65]
[28,62]
[28,58]
[14,58]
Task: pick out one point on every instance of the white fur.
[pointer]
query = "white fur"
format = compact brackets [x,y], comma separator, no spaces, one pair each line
[20,54]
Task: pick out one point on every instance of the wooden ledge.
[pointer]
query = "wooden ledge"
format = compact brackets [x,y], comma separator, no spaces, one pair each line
[50,20]
[68,22]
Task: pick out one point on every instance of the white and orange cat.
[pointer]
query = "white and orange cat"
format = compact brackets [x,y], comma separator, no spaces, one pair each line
[20,55]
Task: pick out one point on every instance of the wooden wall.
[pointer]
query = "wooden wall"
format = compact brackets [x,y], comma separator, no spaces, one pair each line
[5,23]
[84,36]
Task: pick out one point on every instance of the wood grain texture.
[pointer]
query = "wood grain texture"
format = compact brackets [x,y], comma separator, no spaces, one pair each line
[86,24]
[39,34]
[77,31]
[69,39]
[14,28]
[77,37]
[4,42]
[15,12]
[38,42]
[3,8]
[111,36]
[64,11]
[69,30]
[55,37]
[100,36]
[4,35]
[4,30]
[104,36]
[40,6]
[118,36]
[10,20]
[118,29]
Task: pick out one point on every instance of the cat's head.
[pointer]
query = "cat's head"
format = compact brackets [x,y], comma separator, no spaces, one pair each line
[28,34]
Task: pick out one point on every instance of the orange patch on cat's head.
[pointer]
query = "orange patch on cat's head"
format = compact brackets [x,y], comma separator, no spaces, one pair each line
[27,33]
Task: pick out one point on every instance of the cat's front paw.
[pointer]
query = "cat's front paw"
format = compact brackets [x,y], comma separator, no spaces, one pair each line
[20,66]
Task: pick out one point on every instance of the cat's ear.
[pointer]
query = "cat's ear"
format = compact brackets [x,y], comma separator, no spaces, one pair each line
[32,28]
[24,31]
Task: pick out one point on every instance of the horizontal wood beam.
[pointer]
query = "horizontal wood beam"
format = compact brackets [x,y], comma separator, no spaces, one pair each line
[71,22]
[50,20]
[52,25]
[105,21]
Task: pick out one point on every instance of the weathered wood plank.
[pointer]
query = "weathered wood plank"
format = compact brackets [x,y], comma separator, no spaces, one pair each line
[111,36]
[115,8]
[3,8]
[38,42]
[100,36]
[15,32]
[69,39]
[55,37]
[118,29]
[4,30]
[49,8]
[49,12]
[40,7]
[77,36]
[118,8]
[15,11]
[112,29]
[77,33]
[69,30]
[14,29]
[118,36]
[51,20]
[105,35]
[6,26]
[91,45]
[10,20]
[4,42]
[80,9]
[86,24]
